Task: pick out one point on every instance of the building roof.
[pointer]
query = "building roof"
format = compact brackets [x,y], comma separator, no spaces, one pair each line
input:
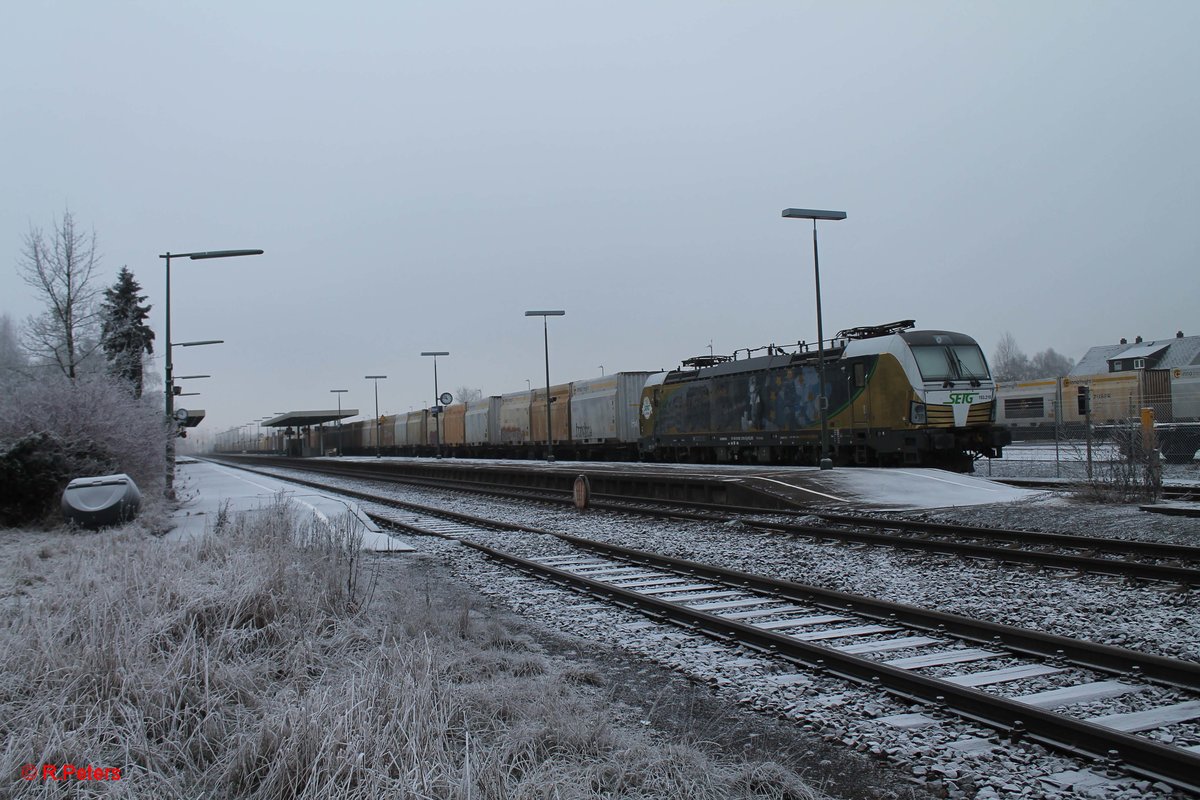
[302,419]
[1143,350]
[1180,352]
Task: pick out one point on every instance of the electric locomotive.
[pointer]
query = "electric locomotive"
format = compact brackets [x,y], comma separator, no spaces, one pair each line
[895,396]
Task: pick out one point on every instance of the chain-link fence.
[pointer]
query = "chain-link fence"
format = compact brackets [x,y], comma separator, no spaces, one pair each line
[1122,454]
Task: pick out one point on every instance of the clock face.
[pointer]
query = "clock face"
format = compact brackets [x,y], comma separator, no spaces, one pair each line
[446,398]
[181,414]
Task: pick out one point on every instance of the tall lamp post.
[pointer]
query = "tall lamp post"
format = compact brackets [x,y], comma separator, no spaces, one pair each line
[823,400]
[339,393]
[437,401]
[188,378]
[377,379]
[546,339]
[169,490]
[176,418]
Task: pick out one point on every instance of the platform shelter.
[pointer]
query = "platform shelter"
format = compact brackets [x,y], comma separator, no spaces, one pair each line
[308,433]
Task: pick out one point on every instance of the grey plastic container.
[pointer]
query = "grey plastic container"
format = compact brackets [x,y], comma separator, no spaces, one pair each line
[100,501]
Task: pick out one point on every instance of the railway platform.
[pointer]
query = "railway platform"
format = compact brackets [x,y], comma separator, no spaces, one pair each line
[206,489]
[726,486]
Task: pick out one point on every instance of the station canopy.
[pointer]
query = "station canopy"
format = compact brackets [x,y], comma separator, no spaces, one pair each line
[304,419]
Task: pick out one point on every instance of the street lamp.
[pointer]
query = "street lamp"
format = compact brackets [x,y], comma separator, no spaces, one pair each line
[377,379]
[187,378]
[546,338]
[339,393]
[169,489]
[823,399]
[437,401]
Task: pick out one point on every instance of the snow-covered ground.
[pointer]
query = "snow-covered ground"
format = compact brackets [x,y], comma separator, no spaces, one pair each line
[208,491]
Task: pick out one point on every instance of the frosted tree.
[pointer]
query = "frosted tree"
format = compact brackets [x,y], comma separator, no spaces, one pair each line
[124,334]
[60,269]
[1050,364]
[12,357]
[465,394]
[1008,362]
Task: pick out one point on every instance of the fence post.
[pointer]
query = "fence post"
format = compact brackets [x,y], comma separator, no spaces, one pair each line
[1087,422]
[1057,429]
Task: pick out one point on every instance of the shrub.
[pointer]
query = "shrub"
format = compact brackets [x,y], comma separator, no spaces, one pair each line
[33,472]
[53,429]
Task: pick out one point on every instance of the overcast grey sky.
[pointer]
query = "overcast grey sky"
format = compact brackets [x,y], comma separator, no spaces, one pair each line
[420,174]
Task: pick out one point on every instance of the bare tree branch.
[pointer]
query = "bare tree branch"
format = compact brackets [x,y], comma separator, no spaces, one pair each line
[61,271]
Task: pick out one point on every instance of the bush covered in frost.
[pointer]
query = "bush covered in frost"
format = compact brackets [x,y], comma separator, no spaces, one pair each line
[53,429]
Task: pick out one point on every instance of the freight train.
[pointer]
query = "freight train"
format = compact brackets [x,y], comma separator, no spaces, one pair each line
[1043,409]
[895,396]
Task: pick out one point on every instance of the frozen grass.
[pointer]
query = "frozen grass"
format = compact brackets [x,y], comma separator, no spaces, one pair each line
[269,661]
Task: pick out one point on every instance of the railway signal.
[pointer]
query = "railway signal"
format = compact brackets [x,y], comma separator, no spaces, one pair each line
[1084,399]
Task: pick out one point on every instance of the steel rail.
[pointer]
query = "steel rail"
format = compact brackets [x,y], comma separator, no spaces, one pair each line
[1066,540]
[1109,566]
[1129,569]
[1169,490]
[1102,657]
[1127,546]
[1138,754]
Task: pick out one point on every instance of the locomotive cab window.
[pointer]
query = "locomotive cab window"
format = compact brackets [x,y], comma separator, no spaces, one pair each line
[960,362]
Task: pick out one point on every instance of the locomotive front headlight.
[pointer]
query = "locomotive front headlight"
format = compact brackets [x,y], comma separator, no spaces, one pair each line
[916,413]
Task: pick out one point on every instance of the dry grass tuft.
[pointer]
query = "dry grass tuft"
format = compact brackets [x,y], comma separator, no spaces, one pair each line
[264,661]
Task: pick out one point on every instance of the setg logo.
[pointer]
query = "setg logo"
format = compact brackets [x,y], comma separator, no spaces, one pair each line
[962,398]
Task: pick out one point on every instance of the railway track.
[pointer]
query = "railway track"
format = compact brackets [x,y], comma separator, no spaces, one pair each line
[917,654]
[1071,553]
[1170,491]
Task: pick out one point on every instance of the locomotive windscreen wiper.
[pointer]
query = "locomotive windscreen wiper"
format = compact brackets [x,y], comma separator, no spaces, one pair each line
[962,368]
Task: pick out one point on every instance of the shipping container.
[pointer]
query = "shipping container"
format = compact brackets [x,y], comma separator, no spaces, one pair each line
[560,416]
[482,422]
[453,424]
[605,410]
[418,428]
[514,418]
